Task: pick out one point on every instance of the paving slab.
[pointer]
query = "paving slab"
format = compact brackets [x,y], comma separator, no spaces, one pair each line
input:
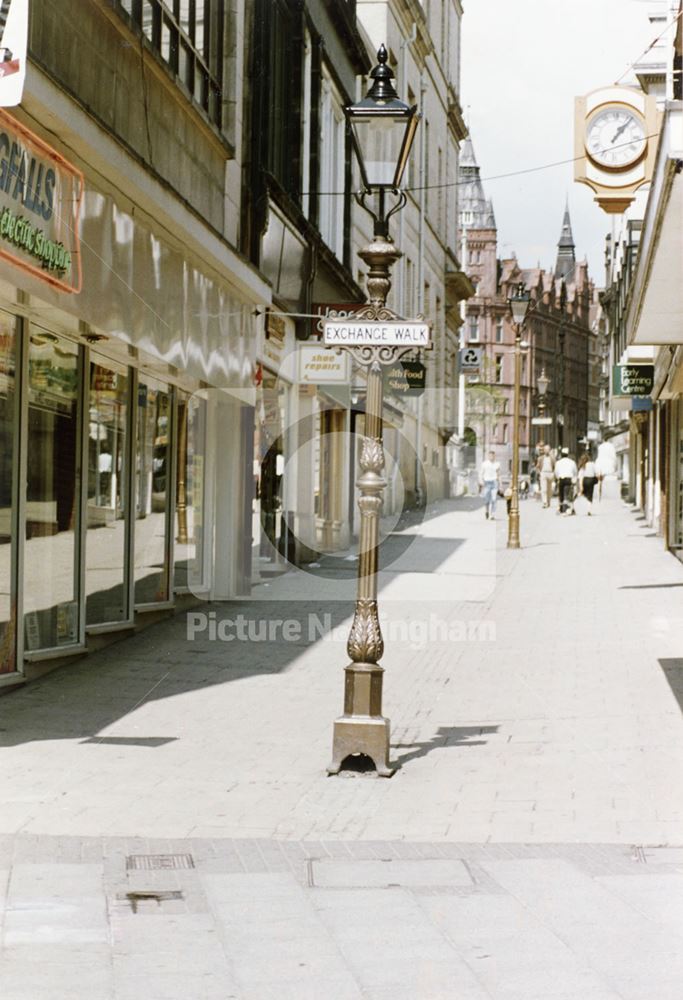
[328,874]
[529,846]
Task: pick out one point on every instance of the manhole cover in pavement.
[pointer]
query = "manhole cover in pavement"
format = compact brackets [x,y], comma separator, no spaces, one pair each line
[158,862]
[383,874]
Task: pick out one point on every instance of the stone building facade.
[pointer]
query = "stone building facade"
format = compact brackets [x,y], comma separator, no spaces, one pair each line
[165,432]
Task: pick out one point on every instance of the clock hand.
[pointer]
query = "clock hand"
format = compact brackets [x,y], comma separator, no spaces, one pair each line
[618,132]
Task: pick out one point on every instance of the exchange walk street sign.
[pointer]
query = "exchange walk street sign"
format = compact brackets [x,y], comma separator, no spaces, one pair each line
[372,333]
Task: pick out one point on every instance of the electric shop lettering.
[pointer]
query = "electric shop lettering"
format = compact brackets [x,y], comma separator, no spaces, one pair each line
[31,184]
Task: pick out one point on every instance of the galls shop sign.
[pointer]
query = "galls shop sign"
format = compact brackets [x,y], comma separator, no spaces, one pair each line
[40,201]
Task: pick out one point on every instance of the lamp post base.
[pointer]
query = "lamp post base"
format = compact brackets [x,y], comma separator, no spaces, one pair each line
[369,736]
[362,728]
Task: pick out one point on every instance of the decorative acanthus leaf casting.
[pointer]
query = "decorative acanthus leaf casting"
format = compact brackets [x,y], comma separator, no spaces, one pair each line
[365,644]
[372,455]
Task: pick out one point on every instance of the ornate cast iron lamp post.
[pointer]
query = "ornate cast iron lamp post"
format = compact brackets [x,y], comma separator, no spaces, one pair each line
[519,304]
[380,125]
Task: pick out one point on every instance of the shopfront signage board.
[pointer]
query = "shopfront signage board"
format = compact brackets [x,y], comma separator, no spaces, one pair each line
[40,201]
[641,404]
[405,378]
[13,42]
[632,380]
[320,365]
[330,310]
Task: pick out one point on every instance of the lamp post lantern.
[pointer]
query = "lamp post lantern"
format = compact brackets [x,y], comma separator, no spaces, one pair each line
[519,305]
[382,130]
[542,383]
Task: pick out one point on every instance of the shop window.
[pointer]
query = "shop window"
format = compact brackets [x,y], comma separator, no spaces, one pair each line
[51,555]
[8,429]
[189,493]
[152,491]
[269,528]
[106,592]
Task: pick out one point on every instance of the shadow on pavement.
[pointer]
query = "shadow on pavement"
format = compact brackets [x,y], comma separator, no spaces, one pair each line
[673,671]
[446,736]
[649,586]
[433,552]
[166,659]
[79,701]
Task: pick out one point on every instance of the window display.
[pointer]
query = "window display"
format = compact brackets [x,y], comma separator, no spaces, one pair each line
[8,426]
[152,471]
[51,533]
[105,546]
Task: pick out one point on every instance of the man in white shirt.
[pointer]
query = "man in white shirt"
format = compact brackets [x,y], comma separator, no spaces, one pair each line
[565,473]
[545,466]
[489,481]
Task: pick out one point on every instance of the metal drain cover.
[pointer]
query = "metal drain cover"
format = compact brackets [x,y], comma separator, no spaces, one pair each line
[158,862]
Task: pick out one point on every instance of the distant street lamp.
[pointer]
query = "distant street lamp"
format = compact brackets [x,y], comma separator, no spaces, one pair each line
[382,129]
[560,380]
[519,305]
[542,383]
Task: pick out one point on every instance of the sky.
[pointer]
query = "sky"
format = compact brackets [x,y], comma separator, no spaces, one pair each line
[524,62]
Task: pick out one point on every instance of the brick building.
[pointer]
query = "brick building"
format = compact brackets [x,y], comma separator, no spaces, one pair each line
[557,329]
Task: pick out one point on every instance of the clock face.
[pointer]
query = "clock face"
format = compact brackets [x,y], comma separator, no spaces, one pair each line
[615,137]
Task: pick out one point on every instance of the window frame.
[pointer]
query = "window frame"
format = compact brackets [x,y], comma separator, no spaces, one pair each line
[205,64]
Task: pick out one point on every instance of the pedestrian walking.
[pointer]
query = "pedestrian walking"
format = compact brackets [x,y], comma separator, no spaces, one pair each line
[545,466]
[588,477]
[566,474]
[489,481]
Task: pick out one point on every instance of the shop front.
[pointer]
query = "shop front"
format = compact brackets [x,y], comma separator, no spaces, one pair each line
[119,448]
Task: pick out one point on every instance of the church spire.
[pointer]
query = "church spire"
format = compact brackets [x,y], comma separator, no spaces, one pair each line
[476,210]
[566,260]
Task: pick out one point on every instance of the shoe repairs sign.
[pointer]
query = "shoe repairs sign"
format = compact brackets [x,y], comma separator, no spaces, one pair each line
[322,366]
[40,201]
[632,380]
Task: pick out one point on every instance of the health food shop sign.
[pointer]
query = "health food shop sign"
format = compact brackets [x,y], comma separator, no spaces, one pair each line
[405,378]
[40,200]
[632,380]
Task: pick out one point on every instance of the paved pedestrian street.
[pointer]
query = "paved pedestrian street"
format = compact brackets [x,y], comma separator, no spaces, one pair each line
[168,830]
